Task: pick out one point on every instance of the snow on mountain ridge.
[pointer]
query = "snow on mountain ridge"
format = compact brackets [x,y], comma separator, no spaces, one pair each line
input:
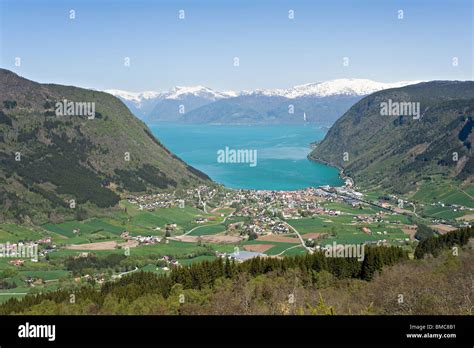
[350,87]
[197,91]
[135,97]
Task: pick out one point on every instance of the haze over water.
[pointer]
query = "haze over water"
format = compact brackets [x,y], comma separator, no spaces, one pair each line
[281,154]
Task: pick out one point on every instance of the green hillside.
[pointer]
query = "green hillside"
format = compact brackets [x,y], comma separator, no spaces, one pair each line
[47,160]
[404,153]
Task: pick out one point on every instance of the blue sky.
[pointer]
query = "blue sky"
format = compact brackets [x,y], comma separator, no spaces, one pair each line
[274,51]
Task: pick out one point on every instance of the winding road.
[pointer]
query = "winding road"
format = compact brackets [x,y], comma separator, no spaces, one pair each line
[299,236]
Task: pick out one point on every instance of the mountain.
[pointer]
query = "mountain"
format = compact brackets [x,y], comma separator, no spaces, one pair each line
[140,104]
[339,87]
[179,101]
[321,102]
[263,109]
[50,156]
[401,151]
[165,106]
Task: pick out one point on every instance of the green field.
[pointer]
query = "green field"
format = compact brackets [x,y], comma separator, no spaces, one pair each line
[206,230]
[439,191]
[140,223]
[277,249]
[297,250]
[184,218]
[343,230]
[340,229]
[173,248]
[196,259]
[442,212]
[13,233]
[67,228]
[314,224]
[345,208]
[45,275]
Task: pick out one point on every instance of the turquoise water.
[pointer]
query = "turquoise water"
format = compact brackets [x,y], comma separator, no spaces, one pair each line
[281,154]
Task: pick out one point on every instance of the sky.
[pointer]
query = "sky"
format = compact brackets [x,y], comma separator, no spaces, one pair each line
[273,50]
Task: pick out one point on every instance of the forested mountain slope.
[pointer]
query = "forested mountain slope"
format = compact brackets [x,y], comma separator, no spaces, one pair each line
[48,158]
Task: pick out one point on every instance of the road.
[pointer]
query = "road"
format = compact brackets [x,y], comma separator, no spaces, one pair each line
[195,228]
[299,236]
[284,251]
[124,273]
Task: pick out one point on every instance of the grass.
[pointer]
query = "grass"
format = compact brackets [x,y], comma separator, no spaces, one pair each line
[19,292]
[6,294]
[439,190]
[309,225]
[13,233]
[173,248]
[46,275]
[351,210]
[207,230]
[66,228]
[442,212]
[184,218]
[196,259]
[141,222]
[102,225]
[297,250]
[277,249]
[344,231]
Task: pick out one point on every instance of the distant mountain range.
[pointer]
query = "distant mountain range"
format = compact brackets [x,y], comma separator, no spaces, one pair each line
[47,160]
[321,102]
[401,152]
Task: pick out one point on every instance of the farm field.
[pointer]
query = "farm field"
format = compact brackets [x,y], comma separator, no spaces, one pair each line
[183,217]
[275,249]
[297,250]
[19,292]
[443,212]
[345,208]
[440,191]
[13,233]
[99,238]
[344,230]
[206,230]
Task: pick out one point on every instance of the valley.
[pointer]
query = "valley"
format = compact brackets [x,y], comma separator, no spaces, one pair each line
[104,201]
[158,232]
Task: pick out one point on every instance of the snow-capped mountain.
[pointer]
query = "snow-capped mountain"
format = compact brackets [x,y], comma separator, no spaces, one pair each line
[144,104]
[350,87]
[139,103]
[135,97]
[347,87]
[177,93]
[197,91]
[203,104]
